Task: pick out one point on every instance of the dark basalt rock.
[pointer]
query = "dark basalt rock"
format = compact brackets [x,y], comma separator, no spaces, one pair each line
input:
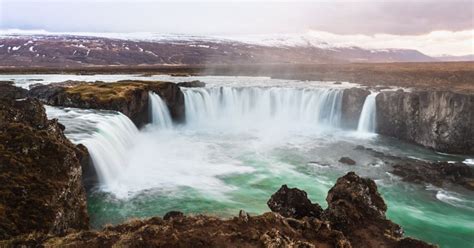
[128,97]
[40,173]
[192,84]
[436,173]
[356,209]
[352,102]
[441,120]
[294,203]
[9,91]
[173,214]
[347,160]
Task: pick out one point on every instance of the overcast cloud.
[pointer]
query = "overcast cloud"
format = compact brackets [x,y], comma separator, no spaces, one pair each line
[349,17]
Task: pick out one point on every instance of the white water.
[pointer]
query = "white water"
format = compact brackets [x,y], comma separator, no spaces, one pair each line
[159,112]
[367,119]
[239,109]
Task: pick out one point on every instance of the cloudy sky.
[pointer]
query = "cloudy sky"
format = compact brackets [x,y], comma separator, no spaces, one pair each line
[433,26]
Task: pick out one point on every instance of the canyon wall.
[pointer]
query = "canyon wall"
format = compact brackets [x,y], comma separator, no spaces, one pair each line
[441,120]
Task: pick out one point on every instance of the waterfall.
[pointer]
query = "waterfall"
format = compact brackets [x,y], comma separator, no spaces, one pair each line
[108,146]
[159,112]
[367,119]
[229,107]
[108,135]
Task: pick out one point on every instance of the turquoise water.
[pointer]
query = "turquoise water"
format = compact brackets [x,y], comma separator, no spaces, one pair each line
[249,168]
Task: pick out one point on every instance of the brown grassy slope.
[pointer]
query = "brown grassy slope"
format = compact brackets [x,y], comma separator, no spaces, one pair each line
[457,76]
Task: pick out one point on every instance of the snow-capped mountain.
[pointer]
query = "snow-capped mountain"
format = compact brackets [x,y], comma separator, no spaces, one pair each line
[40,48]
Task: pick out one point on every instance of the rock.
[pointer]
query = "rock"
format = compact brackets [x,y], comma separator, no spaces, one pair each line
[352,102]
[441,120]
[437,174]
[356,209]
[294,203]
[418,171]
[266,230]
[347,160]
[192,84]
[40,173]
[128,97]
[9,91]
[173,214]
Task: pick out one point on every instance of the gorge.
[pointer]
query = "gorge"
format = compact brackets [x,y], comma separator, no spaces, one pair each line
[229,144]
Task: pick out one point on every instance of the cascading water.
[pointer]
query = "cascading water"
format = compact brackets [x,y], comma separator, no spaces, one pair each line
[108,135]
[108,146]
[367,119]
[231,107]
[159,112]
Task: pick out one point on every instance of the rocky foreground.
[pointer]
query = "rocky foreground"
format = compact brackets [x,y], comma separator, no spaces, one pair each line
[355,217]
[40,171]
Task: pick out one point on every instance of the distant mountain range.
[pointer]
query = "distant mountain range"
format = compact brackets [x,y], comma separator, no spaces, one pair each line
[84,49]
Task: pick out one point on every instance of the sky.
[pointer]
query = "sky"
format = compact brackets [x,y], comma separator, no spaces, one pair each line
[446,24]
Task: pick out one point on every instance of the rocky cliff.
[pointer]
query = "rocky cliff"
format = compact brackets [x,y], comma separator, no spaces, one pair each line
[128,97]
[352,102]
[40,172]
[441,120]
[355,217]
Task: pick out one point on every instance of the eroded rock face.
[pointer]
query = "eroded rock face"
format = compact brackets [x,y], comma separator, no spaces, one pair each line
[40,173]
[441,120]
[128,97]
[352,102]
[294,203]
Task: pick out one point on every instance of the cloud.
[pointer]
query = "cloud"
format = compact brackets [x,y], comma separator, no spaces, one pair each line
[433,43]
[238,17]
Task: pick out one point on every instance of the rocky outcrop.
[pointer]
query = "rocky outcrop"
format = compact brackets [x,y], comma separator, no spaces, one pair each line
[192,84]
[355,217]
[292,202]
[352,102]
[40,173]
[441,120]
[128,97]
[356,208]
[9,91]
[439,174]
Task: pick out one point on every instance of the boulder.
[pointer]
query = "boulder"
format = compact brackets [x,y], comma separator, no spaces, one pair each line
[347,160]
[357,209]
[294,203]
